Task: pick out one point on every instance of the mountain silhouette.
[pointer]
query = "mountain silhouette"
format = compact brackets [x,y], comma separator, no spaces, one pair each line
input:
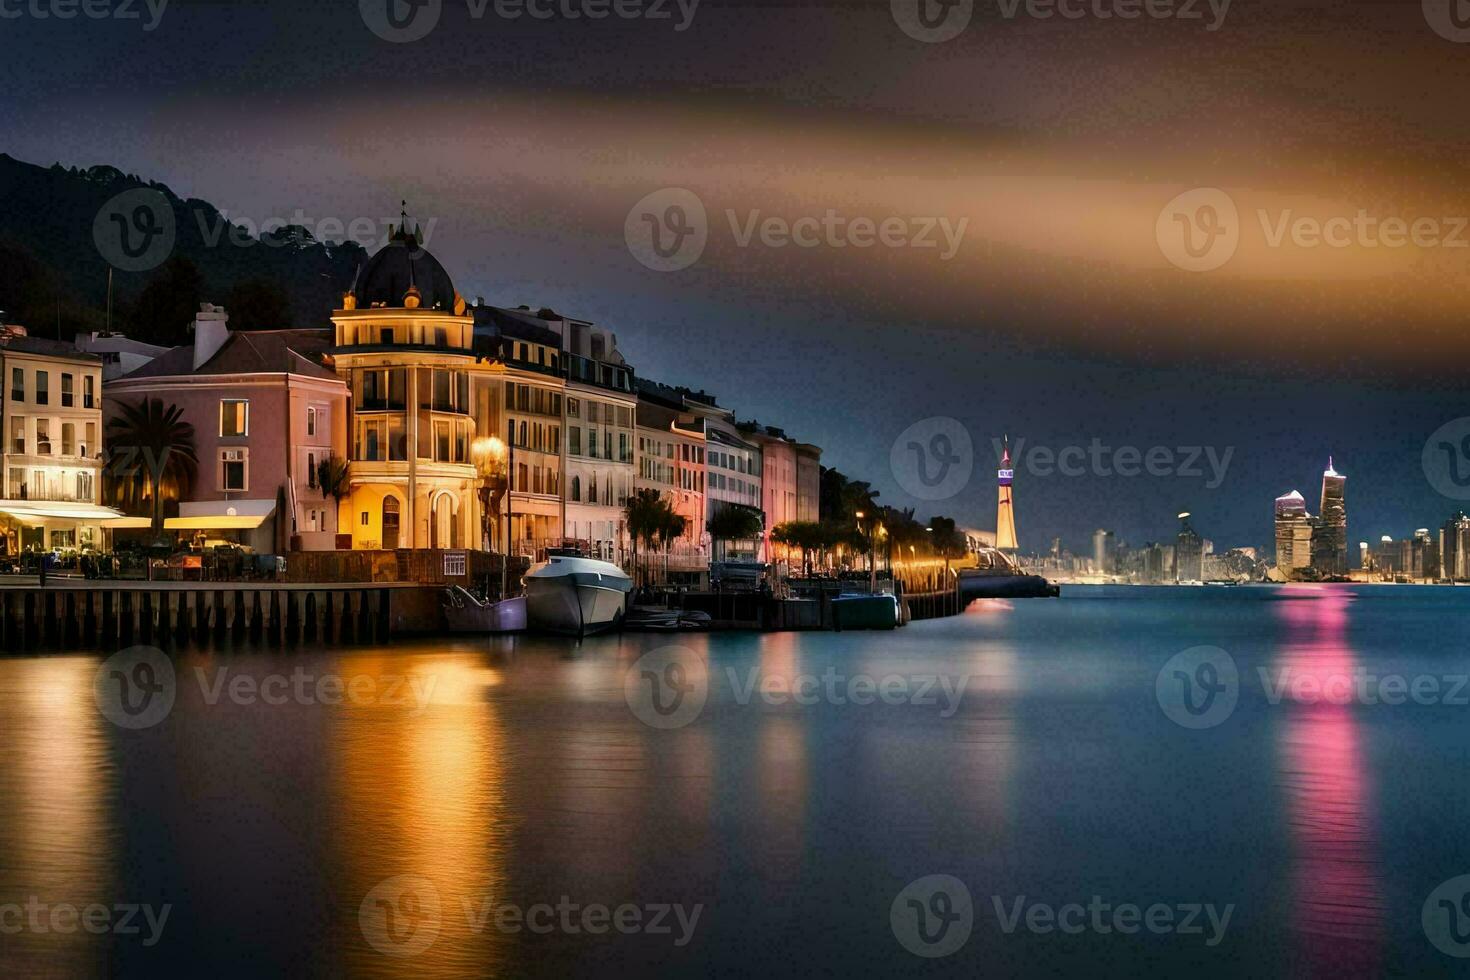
[54,260]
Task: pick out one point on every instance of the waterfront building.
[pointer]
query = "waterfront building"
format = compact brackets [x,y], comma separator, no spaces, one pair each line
[785,463]
[1329,537]
[52,465]
[732,470]
[1423,555]
[601,446]
[1454,548]
[265,413]
[404,343]
[1005,517]
[1293,531]
[120,354]
[520,396]
[671,448]
[1189,552]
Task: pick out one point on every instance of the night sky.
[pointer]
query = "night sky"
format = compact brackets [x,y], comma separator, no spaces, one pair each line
[522,145]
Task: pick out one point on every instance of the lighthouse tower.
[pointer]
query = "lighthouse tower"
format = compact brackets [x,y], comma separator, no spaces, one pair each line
[1005,517]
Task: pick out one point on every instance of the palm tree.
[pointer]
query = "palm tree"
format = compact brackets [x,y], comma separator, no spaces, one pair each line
[643,513]
[670,529]
[808,536]
[734,523]
[152,455]
[331,476]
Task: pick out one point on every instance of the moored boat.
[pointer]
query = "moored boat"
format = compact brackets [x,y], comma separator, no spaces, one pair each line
[576,596]
[466,613]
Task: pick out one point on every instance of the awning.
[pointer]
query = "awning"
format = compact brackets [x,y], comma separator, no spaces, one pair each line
[34,513]
[220,515]
[128,523]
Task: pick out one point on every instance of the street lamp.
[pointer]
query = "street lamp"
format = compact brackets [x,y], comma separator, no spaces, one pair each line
[488,454]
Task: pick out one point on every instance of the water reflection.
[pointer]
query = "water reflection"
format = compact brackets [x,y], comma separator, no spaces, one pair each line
[1337,908]
[57,787]
[423,795]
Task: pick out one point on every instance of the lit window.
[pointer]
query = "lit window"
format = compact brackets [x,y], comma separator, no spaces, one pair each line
[234,417]
[234,471]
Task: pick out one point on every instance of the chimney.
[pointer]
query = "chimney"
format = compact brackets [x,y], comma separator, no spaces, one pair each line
[211,330]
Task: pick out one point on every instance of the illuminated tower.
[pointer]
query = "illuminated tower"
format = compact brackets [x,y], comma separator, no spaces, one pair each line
[1005,517]
[1329,540]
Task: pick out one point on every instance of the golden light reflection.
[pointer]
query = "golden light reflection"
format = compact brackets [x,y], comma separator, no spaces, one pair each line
[422,792]
[58,791]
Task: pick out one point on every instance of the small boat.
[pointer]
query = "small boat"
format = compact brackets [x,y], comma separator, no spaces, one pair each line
[647,620]
[465,613]
[576,596]
[864,611]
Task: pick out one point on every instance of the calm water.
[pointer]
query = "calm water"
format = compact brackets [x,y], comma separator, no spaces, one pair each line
[516,773]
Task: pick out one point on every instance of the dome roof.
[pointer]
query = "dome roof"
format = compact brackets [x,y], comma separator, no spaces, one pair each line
[402,266]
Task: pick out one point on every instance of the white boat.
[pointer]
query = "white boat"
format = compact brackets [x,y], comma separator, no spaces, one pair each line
[465,613]
[577,596]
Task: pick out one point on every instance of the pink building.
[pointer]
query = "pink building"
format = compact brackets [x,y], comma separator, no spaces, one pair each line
[265,414]
[790,482]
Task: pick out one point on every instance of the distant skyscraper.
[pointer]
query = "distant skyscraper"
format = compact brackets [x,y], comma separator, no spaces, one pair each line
[1329,540]
[1189,552]
[1293,534]
[1454,547]
[1005,517]
[1104,550]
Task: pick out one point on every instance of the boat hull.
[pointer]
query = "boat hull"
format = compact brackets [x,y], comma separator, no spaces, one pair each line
[463,614]
[576,597]
[865,612]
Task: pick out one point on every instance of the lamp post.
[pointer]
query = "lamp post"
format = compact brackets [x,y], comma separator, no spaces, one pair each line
[489,456]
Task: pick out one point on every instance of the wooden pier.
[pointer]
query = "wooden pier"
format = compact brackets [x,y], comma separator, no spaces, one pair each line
[78,614]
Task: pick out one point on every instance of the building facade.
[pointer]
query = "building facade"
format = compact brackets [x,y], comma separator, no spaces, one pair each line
[53,458]
[1293,533]
[266,413]
[671,460]
[1329,538]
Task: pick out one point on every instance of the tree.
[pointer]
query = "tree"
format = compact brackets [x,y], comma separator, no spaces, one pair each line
[645,512]
[734,523]
[947,541]
[258,304]
[152,454]
[167,305]
[669,530]
[331,477]
[808,536]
